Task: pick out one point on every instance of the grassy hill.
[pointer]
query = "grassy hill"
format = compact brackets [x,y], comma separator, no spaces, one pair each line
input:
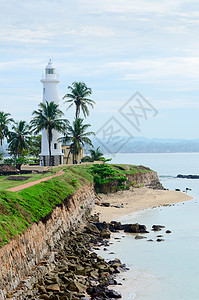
[19,210]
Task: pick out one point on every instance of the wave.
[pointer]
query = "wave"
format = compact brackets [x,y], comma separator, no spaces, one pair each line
[131,296]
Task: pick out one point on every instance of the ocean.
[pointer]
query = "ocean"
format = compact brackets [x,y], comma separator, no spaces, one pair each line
[167,270]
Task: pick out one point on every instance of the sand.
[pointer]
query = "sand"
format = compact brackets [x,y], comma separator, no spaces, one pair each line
[136,200]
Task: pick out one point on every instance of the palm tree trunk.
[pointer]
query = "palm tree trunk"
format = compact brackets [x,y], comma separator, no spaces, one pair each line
[68,154]
[73,154]
[76,113]
[49,145]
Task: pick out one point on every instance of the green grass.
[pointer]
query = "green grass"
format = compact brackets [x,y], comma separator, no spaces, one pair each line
[5,183]
[19,210]
[132,169]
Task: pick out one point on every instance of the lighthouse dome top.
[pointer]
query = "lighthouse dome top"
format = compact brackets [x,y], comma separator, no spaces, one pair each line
[50,65]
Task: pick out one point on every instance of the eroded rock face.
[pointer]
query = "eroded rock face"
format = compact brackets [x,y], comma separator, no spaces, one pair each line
[76,270]
[20,256]
[149,179]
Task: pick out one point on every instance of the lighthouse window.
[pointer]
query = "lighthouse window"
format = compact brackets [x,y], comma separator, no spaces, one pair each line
[55,146]
[44,90]
[49,71]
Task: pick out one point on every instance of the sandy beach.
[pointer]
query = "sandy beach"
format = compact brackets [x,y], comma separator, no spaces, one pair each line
[136,200]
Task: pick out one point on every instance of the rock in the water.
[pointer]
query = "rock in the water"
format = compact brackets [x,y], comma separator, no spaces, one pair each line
[168,231]
[160,240]
[135,228]
[112,294]
[140,237]
[105,233]
[101,225]
[157,227]
[132,228]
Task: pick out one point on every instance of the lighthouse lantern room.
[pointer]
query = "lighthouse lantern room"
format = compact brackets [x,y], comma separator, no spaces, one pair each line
[50,93]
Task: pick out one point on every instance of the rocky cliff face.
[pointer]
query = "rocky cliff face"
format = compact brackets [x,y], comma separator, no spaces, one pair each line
[149,179]
[24,252]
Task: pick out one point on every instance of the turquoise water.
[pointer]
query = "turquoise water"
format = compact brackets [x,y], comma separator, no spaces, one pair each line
[168,270]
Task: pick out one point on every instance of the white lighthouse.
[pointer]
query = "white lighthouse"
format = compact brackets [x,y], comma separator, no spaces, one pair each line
[50,93]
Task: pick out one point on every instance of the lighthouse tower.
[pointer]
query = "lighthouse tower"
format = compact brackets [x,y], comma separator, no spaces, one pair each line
[50,93]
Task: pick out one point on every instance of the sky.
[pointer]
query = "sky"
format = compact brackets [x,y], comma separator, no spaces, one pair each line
[140,57]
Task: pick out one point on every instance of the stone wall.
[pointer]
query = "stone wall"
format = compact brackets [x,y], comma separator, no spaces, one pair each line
[24,252]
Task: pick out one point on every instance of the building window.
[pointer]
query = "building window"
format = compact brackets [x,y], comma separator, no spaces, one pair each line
[63,151]
[55,145]
[49,71]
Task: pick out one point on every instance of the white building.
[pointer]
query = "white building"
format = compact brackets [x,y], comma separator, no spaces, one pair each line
[50,93]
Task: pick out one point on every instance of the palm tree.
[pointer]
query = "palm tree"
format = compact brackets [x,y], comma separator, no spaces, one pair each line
[95,154]
[79,96]
[48,117]
[19,138]
[5,121]
[78,136]
[35,146]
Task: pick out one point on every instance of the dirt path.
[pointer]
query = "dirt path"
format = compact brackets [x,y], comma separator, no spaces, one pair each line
[29,184]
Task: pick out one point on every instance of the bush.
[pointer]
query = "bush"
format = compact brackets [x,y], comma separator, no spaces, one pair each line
[107,179]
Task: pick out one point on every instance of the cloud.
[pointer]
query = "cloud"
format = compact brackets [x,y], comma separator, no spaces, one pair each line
[158,68]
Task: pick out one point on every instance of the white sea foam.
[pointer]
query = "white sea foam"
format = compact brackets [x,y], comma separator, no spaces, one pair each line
[131,296]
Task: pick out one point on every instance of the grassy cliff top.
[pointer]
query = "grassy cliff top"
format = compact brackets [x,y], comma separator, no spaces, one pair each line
[19,210]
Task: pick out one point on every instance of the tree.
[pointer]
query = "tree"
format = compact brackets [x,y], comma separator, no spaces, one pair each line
[96,154]
[35,145]
[5,121]
[79,96]
[78,136]
[19,138]
[48,117]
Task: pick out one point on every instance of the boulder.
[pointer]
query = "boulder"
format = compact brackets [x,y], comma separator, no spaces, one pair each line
[75,286]
[53,288]
[112,294]
[157,227]
[92,228]
[132,228]
[106,204]
[140,237]
[135,228]
[44,296]
[105,233]
[101,225]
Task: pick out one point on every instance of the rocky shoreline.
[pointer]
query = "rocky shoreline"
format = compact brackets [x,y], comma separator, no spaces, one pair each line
[75,271]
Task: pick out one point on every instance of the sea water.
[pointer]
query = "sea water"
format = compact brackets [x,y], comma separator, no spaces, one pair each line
[167,270]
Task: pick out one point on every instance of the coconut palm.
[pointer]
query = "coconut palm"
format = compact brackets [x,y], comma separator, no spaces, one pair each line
[95,154]
[48,117]
[19,138]
[77,134]
[5,121]
[79,96]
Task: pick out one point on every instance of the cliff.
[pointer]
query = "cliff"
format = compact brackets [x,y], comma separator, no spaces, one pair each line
[33,220]
[24,252]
